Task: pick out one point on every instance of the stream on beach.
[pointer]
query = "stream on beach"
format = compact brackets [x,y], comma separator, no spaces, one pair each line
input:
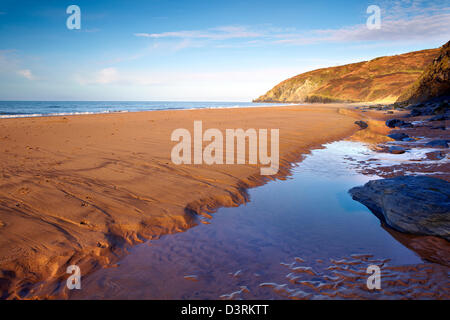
[302,238]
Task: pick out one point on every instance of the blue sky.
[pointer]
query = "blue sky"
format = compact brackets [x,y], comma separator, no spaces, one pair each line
[204,50]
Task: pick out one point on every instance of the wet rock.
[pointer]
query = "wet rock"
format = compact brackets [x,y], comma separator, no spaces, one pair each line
[441,108]
[430,108]
[392,123]
[435,155]
[398,136]
[416,113]
[438,144]
[361,124]
[406,125]
[440,117]
[396,150]
[417,205]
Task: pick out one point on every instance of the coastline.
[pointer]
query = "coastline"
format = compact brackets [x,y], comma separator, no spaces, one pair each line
[249,246]
[107,107]
[103,182]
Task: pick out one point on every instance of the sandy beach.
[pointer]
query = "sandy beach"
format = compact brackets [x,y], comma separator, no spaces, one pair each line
[210,151]
[80,189]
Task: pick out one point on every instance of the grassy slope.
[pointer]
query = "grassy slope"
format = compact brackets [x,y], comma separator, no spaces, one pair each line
[379,80]
[433,82]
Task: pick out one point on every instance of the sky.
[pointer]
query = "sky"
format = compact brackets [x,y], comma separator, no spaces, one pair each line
[202,50]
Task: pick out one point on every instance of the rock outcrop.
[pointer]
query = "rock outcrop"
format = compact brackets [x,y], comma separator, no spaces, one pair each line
[362,124]
[398,136]
[438,143]
[412,204]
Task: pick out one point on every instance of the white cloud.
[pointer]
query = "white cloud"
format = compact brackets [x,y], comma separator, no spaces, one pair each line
[11,64]
[225,85]
[416,28]
[404,20]
[401,21]
[107,75]
[219,33]
[112,76]
[26,73]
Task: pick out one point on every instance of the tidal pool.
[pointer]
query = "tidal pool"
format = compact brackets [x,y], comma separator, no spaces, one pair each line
[303,238]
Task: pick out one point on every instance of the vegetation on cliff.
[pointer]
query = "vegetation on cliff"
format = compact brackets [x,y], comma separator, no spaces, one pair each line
[382,80]
[434,81]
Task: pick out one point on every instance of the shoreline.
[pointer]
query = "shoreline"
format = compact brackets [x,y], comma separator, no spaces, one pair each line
[234,236]
[95,242]
[65,114]
[263,105]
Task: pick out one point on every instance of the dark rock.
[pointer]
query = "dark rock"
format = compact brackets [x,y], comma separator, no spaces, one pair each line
[406,125]
[396,150]
[415,106]
[438,144]
[390,112]
[441,127]
[415,112]
[398,136]
[430,108]
[361,124]
[435,155]
[392,123]
[440,117]
[417,205]
[442,108]
[409,139]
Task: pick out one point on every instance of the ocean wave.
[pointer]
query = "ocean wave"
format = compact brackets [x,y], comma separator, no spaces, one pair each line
[31,115]
[7,115]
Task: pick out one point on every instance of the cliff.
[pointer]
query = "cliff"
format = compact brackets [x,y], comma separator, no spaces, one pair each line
[434,81]
[381,80]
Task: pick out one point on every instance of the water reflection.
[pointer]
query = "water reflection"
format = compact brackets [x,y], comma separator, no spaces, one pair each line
[309,219]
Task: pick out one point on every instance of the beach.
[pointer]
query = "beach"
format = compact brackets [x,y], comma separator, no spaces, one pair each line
[81,189]
[210,151]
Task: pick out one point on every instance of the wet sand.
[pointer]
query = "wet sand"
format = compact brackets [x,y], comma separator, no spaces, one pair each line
[422,159]
[82,189]
[304,238]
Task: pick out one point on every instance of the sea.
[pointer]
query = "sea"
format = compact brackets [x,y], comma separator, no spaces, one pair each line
[18,109]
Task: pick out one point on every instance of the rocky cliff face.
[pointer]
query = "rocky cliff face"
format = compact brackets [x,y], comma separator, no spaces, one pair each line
[434,81]
[379,80]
